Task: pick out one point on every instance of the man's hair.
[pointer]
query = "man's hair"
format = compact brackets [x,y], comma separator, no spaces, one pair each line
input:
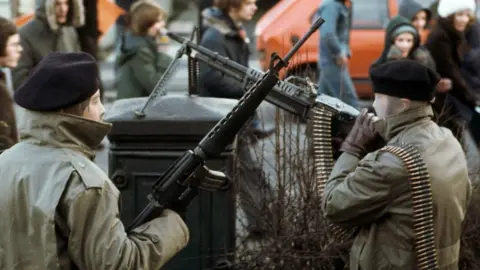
[7,29]
[142,15]
[227,5]
[78,108]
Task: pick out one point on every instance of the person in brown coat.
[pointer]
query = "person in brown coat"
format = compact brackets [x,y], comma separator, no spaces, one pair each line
[454,107]
[10,52]
[58,209]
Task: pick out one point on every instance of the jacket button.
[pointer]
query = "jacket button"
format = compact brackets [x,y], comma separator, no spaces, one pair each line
[155,238]
[81,165]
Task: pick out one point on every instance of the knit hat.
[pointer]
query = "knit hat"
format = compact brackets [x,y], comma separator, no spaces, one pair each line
[450,7]
[405,78]
[59,81]
[404,29]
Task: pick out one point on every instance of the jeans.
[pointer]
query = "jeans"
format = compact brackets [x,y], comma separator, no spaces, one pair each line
[336,82]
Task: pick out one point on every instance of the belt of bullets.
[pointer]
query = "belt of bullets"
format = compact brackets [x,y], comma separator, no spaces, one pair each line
[426,253]
[193,74]
[323,159]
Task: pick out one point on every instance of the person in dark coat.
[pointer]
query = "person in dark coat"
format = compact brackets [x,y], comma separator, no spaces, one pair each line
[224,33]
[471,60]
[140,64]
[89,33]
[10,52]
[455,107]
[402,40]
[419,16]
[228,38]
[471,71]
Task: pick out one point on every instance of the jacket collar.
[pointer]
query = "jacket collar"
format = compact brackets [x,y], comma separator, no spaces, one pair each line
[62,131]
[394,124]
[45,12]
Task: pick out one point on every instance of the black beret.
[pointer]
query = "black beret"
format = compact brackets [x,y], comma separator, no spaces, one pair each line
[59,81]
[405,78]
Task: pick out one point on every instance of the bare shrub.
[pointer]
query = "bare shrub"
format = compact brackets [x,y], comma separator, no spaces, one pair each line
[296,228]
[470,241]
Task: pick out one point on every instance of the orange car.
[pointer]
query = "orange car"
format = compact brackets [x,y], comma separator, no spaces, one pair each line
[288,20]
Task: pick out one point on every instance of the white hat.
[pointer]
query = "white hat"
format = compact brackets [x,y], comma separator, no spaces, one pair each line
[449,7]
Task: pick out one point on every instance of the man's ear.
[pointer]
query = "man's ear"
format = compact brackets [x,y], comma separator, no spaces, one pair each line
[405,104]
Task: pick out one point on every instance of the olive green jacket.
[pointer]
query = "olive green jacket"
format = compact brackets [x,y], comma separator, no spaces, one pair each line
[140,66]
[60,211]
[374,194]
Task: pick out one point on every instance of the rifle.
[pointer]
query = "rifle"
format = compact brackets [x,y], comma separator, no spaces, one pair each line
[176,184]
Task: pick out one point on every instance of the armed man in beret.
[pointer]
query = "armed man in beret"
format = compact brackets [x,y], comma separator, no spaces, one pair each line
[58,209]
[370,190]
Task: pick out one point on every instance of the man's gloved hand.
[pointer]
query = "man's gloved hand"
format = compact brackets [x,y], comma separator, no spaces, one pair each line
[204,179]
[362,136]
[210,180]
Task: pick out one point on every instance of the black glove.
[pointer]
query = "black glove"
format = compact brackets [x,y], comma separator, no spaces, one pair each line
[362,137]
[180,207]
[340,131]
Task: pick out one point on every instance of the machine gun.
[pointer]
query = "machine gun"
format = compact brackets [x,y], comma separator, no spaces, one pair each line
[295,95]
[176,183]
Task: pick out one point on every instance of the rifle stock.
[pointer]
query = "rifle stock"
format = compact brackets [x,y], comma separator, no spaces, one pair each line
[174,184]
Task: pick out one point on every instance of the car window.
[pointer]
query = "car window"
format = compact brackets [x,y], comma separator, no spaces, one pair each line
[369,14]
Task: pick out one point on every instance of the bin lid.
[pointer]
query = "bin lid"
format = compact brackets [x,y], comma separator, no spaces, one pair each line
[169,115]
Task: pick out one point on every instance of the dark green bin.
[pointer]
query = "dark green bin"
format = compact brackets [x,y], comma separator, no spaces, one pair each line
[143,148]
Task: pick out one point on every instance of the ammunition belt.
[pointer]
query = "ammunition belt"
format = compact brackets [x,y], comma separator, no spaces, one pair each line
[193,75]
[323,159]
[419,178]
